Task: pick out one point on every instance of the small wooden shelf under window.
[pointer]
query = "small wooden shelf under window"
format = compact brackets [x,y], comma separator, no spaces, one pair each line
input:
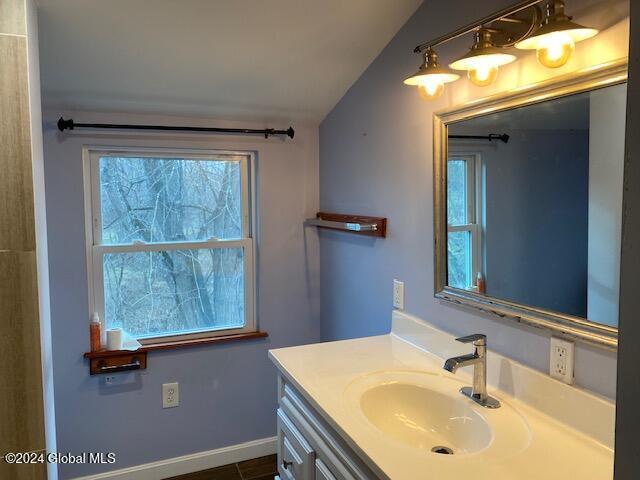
[111,361]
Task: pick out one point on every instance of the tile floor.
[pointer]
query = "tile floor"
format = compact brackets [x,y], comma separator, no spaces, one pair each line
[263,468]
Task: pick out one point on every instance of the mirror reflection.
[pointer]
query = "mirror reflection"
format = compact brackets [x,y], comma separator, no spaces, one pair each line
[534,204]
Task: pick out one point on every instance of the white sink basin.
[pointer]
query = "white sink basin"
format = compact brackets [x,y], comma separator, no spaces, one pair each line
[424,418]
[426,411]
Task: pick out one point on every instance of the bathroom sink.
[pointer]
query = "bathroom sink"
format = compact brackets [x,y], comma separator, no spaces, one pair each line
[426,411]
[425,419]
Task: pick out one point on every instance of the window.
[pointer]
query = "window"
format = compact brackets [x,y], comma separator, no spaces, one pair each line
[464,214]
[170,243]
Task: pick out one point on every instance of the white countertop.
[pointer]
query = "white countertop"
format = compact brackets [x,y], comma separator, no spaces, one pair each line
[576,449]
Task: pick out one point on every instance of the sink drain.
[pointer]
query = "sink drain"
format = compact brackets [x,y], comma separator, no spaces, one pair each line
[442,450]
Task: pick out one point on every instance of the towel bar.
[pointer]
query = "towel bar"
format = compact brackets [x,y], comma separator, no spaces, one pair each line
[359,224]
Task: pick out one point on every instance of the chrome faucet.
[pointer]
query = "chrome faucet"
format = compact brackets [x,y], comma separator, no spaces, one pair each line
[477,393]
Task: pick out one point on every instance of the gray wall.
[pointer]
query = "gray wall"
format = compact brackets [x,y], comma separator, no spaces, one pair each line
[536,183]
[627,451]
[227,391]
[376,158]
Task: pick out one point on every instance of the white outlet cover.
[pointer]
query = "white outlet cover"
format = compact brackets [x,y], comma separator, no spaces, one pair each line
[170,395]
[398,294]
[561,359]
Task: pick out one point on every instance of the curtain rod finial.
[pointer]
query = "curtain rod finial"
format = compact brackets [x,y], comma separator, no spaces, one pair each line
[65,124]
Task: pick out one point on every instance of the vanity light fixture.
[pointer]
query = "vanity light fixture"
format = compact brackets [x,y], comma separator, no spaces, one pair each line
[523,25]
[483,59]
[431,77]
[555,40]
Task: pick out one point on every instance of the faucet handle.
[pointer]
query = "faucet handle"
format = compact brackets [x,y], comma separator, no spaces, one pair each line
[478,339]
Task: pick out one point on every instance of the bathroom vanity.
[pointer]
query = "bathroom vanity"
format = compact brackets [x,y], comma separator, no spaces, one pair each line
[308,446]
[383,407]
[527,227]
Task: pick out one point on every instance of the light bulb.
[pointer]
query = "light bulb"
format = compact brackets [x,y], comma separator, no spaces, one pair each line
[431,88]
[483,75]
[555,49]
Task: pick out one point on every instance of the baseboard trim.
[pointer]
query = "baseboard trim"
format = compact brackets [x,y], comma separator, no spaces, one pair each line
[191,463]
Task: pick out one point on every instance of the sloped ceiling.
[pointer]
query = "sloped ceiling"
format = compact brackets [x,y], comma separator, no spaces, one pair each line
[259,59]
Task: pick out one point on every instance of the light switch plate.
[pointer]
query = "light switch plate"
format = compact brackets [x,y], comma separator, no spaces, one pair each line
[170,395]
[398,294]
[561,357]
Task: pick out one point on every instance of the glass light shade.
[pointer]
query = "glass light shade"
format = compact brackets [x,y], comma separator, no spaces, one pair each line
[483,75]
[555,49]
[431,90]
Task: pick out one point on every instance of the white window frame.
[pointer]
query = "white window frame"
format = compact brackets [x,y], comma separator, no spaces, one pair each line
[475,210]
[96,251]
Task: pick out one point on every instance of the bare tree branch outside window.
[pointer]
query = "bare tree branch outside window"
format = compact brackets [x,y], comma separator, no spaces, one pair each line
[154,201]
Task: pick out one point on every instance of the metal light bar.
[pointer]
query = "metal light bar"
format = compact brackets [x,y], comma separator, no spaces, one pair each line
[70,125]
[499,15]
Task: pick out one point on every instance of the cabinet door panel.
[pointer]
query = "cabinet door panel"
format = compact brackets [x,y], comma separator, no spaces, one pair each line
[296,458]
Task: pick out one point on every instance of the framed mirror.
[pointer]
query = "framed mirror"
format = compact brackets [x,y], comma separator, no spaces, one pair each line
[528,203]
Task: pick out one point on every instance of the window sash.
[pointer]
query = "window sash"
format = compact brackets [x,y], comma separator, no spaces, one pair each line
[96,250]
[94,167]
[476,258]
[474,201]
[472,172]
[166,246]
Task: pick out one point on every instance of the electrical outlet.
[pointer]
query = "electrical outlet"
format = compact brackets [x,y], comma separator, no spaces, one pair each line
[398,294]
[561,360]
[170,395]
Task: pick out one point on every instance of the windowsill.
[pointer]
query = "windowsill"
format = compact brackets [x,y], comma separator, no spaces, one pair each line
[160,345]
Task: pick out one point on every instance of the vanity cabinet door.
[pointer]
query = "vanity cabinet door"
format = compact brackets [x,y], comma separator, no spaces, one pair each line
[337,458]
[323,472]
[296,458]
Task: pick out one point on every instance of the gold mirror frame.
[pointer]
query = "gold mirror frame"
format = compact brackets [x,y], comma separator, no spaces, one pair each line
[583,80]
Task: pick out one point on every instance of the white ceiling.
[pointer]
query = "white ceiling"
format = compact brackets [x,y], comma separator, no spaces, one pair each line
[260,59]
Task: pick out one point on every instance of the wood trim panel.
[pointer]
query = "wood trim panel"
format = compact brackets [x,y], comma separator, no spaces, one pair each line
[118,363]
[177,344]
[338,217]
[17,223]
[22,411]
[13,17]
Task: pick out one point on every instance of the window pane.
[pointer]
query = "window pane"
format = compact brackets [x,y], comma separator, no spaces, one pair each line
[169,199]
[459,259]
[457,192]
[176,291]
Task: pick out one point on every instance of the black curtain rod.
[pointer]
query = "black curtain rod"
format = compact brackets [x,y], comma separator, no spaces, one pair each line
[492,136]
[70,125]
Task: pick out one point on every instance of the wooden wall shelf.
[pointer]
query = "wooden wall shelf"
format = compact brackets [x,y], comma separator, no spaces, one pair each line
[111,361]
[357,224]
